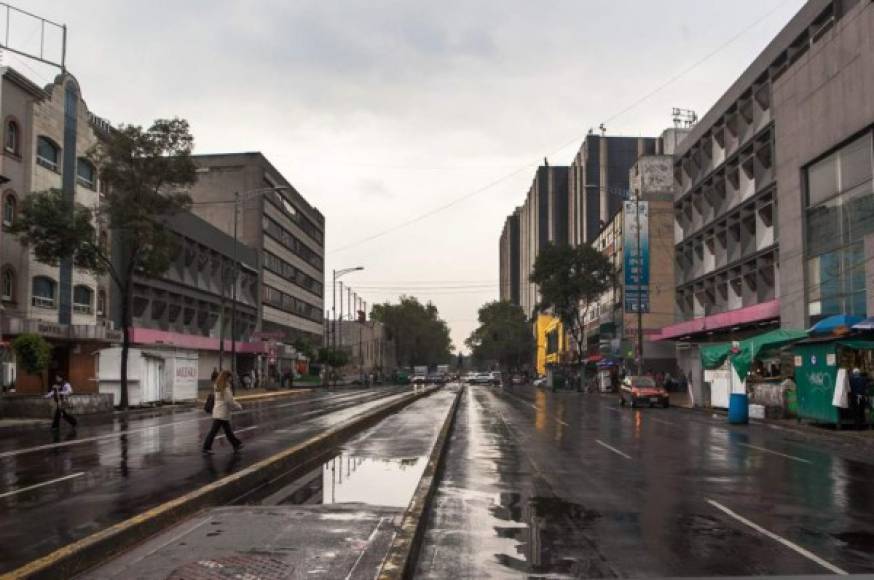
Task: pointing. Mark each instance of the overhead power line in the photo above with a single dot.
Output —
(612, 117)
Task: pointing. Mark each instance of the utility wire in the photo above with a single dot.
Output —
(512, 174)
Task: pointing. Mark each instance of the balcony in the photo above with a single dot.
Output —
(43, 302)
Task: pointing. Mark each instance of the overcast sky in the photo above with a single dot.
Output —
(380, 111)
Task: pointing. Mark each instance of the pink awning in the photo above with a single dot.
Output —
(192, 341)
(754, 313)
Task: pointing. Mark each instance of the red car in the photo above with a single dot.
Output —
(636, 391)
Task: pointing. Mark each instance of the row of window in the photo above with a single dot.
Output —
(44, 293)
(281, 300)
(282, 268)
(48, 154)
(301, 220)
(290, 241)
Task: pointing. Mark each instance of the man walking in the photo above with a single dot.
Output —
(60, 390)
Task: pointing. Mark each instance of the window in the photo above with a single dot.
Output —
(7, 284)
(12, 137)
(43, 291)
(48, 154)
(10, 207)
(83, 299)
(101, 302)
(840, 213)
(86, 175)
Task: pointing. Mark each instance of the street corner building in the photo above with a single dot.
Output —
(774, 205)
(47, 133)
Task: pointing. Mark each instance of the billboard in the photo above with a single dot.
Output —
(635, 263)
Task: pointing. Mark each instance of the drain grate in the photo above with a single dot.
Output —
(237, 566)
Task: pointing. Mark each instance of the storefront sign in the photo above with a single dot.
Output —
(798, 361)
(636, 260)
(830, 359)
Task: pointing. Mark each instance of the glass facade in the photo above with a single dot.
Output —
(840, 213)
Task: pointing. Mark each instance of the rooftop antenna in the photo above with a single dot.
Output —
(685, 118)
(603, 129)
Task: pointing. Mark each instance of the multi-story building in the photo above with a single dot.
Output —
(597, 177)
(47, 133)
(788, 145)
(510, 259)
(184, 314)
(612, 322)
(286, 231)
(542, 220)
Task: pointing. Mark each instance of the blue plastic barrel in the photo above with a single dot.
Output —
(738, 409)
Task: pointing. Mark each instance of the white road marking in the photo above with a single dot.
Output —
(364, 550)
(240, 430)
(611, 448)
(562, 422)
(116, 434)
(43, 484)
(792, 546)
(766, 450)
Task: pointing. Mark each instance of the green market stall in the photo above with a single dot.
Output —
(817, 362)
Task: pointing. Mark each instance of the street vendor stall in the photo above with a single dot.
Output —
(817, 366)
(731, 368)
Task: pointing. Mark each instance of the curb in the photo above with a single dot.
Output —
(400, 562)
(86, 553)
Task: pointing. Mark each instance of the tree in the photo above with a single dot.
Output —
(33, 353)
(306, 348)
(142, 171)
(420, 336)
(504, 335)
(570, 281)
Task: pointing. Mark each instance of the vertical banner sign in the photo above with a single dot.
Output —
(636, 264)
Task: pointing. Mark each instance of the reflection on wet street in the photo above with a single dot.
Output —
(541, 484)
(54, 493)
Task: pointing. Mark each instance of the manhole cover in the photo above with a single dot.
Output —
(236, 566)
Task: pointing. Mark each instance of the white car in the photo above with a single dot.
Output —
(540, 382)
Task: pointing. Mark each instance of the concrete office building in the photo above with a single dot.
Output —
(47, 133)
(542, 220)
(774, 151)
(287, 232)
(180, 317)
(600, 168)
(510, 259)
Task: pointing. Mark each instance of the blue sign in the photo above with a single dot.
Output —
(635, 262)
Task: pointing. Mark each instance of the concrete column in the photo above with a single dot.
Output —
(869, 274)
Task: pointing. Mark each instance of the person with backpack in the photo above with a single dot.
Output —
(219, 404)
(59, 392)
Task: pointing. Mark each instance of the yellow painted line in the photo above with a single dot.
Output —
(41, 564)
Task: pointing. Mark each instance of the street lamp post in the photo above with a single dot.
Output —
(237, 198)
(337, 274)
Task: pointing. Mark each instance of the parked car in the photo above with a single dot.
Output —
(540, 382)
(418, 379)
(636, 390)
(516, 380)
(435, 379)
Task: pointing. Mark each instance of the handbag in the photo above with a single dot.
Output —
(209, 404)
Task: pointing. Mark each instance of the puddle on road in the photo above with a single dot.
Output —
(550, 536)
(369, 480)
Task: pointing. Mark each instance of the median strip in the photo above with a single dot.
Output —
(83, 554)
(400, 562)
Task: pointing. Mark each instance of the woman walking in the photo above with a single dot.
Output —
(221, 413)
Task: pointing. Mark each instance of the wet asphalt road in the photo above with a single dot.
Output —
(338, 521)
(53, 493)
(539, 484)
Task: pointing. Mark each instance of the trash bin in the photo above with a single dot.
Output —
(738, 409)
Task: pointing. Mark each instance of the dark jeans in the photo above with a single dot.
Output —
(59, 412)
(858, 406)
(229, 433)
